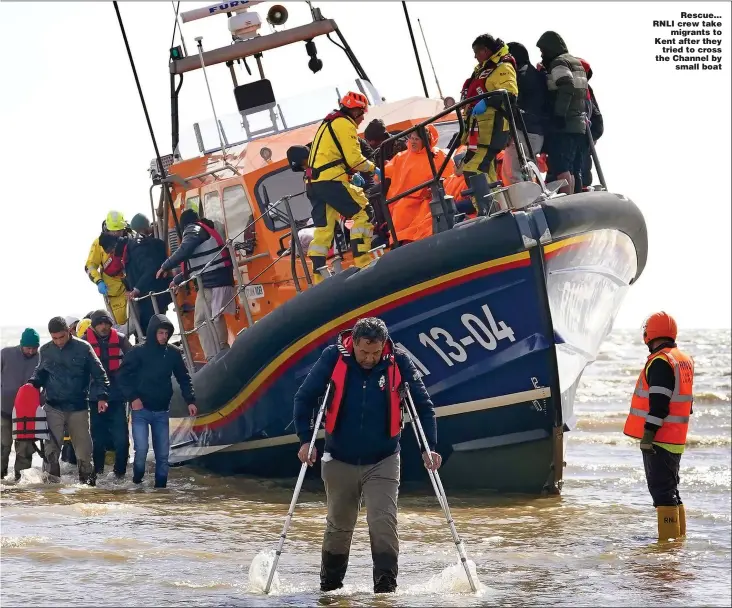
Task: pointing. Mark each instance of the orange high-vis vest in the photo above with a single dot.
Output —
(675, 426)
(29, 418)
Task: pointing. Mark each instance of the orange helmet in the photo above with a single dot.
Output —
(659, 325)
(353, 100)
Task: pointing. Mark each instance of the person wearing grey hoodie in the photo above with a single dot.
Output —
(567, 87)
(18, 363)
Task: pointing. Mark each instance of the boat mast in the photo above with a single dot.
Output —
(414, 46)
(161, 168)
(439, 90)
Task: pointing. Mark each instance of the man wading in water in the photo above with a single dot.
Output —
(363, 427)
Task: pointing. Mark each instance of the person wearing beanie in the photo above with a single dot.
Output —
(109, 426)
(200, 245)
(566, 139)
(145, 255)
(532, 101)
(487, 133)
(18, 363)
(140, 223)
(68, 370)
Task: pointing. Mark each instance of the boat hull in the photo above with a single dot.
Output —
(499, 324)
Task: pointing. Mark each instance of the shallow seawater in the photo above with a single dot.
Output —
(210, 540)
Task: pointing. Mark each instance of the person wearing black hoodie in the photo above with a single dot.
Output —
(533, 102)
(145, 380)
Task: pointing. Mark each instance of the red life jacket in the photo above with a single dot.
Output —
(111, 356)
(393, 384)
(207, 251)
(29, 419)
(475, 85)
(114, 265)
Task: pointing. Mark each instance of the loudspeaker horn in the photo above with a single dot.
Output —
(277, 15)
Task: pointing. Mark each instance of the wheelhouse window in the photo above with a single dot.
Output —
(212, 211)
(238, 214)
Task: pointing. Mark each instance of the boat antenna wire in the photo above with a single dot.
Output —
(177, 26)
(414, 46)
(161, 169)
(439, 90)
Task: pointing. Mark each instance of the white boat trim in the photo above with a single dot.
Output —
(445, 410)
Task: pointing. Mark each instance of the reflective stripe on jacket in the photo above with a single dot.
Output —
(497, 72)
(675, 427)
(208, 250)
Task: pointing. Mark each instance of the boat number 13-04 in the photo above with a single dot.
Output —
(453, 351)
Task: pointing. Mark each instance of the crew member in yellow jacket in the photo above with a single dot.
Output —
(106, 269)
(488, 132)
(334, 185)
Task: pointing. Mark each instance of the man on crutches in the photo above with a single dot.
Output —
(363, 427)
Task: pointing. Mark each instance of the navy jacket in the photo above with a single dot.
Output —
(145, 255)
(361, 436)
(147, 369)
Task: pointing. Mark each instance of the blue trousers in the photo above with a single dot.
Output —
(145, 421)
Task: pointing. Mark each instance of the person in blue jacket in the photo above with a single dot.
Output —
(361, 455)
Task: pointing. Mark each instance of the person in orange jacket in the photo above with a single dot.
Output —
(455, 184)
(411, 215)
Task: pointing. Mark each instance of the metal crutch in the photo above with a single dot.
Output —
(437, 483)
(298, 486)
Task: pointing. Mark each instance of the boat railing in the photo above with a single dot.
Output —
(294, 250)
(446, 219)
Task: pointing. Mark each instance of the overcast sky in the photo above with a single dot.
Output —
(75, 143)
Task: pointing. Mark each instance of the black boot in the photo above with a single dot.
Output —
(386, 569)
(87, 474)
(332, 571)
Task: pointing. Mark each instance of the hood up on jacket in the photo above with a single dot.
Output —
(519, 53)
(158, 322)
(551, 45)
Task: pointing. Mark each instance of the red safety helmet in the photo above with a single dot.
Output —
(659, 325)
(353, 100)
